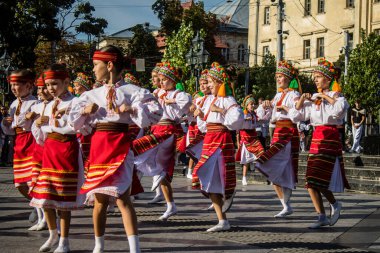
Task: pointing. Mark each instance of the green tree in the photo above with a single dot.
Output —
(169, 12)
(142, 44)
(363, 82)
(205, 22)
(178, 45)
(262, 78)
(30, 22)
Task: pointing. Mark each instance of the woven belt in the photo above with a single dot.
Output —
(285, 123)
(61, 137)
(112, 126)
(216, 127)
(19, 130)
(166, 122)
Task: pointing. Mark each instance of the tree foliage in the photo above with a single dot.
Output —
(142, 43)
(262, 78)
(74, 54)
(178, 45)
(30, 22)
(363, 82)
(205, 22)
(169, 12)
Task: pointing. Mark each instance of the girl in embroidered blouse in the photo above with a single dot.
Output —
(325, 169)
(215, 172)
(280, 162)
(110, 110)
(56, 188)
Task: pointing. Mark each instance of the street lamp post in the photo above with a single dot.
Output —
(5, 64)
(197, 57)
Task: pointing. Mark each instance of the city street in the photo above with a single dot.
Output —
(253, 227)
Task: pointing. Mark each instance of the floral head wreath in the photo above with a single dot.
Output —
(287, 69)
(204, 74)
(247, 100)
(172, 73)
(219, 73)
(327, 69)
(129, 78)
(157, 67)
(83, 80)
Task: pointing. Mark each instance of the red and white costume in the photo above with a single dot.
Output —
(325, 168)
(111, 162)
(24, 141)
(280, 162)
(61, 173)
(250, 147)
(155, 153)
(215, 171)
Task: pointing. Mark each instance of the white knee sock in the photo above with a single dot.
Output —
(134, 244)
(287, 195)
(99, 242)
(171, 207)
(53, 238)
(40, 214)
(63, 241)
(158, 191)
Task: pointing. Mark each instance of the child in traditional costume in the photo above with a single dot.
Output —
(325, 169)
(194, 138)
(250, 147)
(215, 172)
(157, 85)
(109, 110)
(17, 123)
(37, 111)
(61, 172)
(280, 162)
(156, 152)
(82, 83)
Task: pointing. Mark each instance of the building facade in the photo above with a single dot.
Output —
(232, 35)
(313, 28)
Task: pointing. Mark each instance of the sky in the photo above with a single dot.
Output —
(122, 14)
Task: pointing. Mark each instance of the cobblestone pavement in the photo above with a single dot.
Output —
(253, 227)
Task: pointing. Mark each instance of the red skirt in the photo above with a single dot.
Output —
(23, 157)
(37, 163)
(218, 137)
(85, 143)
(159, 133)
(58, 177)
(324, 149)
(248, 137)
(284, 133)
(191, 138)
(108, 151)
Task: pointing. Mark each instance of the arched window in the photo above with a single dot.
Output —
(226, 52)
(241, 53)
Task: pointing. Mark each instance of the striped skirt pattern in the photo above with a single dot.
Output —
(325, 148)
(23, 157)
(218, 137)
(57, 181)
(109, 149)
(284, 133)
(248, 137)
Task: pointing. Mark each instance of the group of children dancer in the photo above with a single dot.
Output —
(91, 149)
